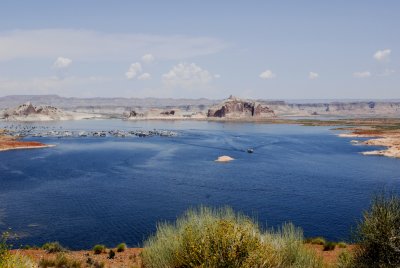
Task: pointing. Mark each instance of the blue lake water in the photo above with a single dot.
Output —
(90, 190)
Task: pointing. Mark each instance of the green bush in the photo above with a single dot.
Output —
(99, 249)
(17, 260)
(345, 260)
(61, 261)
(378, 234)
(53, 247)
(94, 264)
(342, 245)
(316, 241)
(29, 247)
(329, 246)
(4, 247)
(111, 254)
(221, 238)
(121, 247)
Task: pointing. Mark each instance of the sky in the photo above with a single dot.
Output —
(194, 49)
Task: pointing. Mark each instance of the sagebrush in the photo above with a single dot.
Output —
(206, 237)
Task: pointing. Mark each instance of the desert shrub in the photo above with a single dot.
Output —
(378, 234)
(316, 241)
(17, 261)
(30, 247)
(345, 260)
(60, 261)
(342, 245)
(99, 249)
(111, 254)
(4, 248)
(221, 238)
(329, 246)
(121, 247)
(289, 241)
(53, 247)
(94, 264)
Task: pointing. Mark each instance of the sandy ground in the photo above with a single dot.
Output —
(330, 257)
(127, 259)
(131, 257)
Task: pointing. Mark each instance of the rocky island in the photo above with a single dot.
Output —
(235, 108)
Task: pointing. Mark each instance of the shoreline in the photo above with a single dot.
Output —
(8, 143)
(26, 147)
(388, 139)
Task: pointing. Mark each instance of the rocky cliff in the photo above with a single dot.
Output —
(237, 108)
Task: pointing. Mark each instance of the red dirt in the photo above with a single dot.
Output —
(129, 258)
(9, 143)
(331, 256)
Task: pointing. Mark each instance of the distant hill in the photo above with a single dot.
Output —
(70, 103)
(122, 107)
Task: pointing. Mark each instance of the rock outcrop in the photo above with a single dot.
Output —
(29, 112)
(237, 108)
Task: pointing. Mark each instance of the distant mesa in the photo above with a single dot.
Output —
(156, 113)
(238, 108)
(52, 107)
(29, 112)
(224, 158)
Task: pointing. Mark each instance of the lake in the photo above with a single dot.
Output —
(91, 190)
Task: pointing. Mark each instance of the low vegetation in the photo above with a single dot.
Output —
(345, 260)
(316, 241)
(8, 260)
(94, 264)
(378, 234)
(221, 238)
(111, 254)
(329, 246)
(53, 247)
(121, 247)
(60, 261)
(98, 249)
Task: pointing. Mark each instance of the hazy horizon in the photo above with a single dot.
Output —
(299, 101)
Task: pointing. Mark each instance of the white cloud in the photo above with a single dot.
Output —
(217, 76)
(267, 74)
(148, 58)
(313, 75)
(144, 76)
(187, 75)
(382, 55)
(62, 63)
(94, 45)
(134, 70)
(364, 74)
